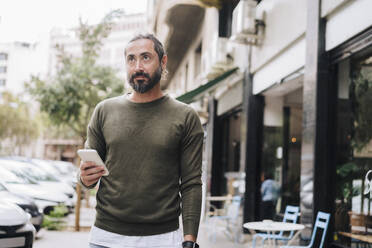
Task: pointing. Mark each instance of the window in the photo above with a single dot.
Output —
(3, 56)
(354, 140)
(2, 82)
(198, 60)
(2, 69)
(225, 19)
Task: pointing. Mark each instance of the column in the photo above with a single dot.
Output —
(251, 148)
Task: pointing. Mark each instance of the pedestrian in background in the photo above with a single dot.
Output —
(152, 147)
(269, 196)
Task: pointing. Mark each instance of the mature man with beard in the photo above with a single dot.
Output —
(152, 147)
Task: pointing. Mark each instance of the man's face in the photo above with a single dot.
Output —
(143, 67)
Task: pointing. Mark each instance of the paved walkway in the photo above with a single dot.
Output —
(71, 239)
(61, 239)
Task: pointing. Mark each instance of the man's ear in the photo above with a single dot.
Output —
(164, 61)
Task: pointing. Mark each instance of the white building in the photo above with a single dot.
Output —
(18, 61)
(285, 101)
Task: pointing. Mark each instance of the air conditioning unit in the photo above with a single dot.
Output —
(222, 57)
(246, 28)
(245, 17)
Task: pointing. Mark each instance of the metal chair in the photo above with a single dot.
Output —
(322, 221)
(290, 215)
(230, 219)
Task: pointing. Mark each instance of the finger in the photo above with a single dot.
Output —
(83, 165)
(92, 178)
(92, 170)
(86, 165)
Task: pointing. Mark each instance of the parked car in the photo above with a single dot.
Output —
(64, 171)
(37, 162)
(16, 229)
(18, 183)
(67, 171)
(26, 203)
(60, 170)
(48, 180)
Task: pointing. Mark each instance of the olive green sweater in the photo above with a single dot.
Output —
(153, 152)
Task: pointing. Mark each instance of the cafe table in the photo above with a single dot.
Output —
(271, 227)
(362, 237)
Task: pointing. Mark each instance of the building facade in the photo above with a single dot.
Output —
(18, 61)
(281, 87)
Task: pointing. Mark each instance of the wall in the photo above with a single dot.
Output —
(353, 16)
(283, 49)
(273, 111)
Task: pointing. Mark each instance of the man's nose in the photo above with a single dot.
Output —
(138, 65)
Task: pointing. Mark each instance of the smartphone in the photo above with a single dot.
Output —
(91, 155)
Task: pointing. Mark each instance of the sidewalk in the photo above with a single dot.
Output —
(87, 217)
(72, 239)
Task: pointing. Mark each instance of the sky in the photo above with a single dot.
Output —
(31, 20)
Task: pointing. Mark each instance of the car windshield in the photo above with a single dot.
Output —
(48, 170)
(14, 177)
(38, 174)
(64, 168)
(29, 170)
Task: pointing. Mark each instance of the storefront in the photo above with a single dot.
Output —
(301, 110)
(282, 137)
(352, 66)
(315, 137)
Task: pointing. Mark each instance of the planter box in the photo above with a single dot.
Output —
(360, 223)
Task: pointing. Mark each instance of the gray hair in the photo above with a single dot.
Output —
(159, 49)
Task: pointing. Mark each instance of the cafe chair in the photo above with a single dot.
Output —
(290, 215)
(322, 221)
(230, 221)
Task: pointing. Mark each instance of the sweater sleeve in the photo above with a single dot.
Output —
(190, 171)
(95, 139)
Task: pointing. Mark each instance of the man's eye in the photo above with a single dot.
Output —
(130, 59)
(146, 57)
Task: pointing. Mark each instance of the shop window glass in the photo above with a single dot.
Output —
(354, 143)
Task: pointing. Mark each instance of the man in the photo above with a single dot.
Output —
(152, 146)
(269, 195)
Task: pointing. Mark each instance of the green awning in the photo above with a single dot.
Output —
(191, 96)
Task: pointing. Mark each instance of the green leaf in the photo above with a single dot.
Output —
(69, 97)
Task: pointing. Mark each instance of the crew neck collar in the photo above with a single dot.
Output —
(145, 104)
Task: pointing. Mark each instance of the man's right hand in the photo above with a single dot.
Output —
(90, 173)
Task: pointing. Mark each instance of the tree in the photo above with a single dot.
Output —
(69, 97)
(17, 128)
(80, 83)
